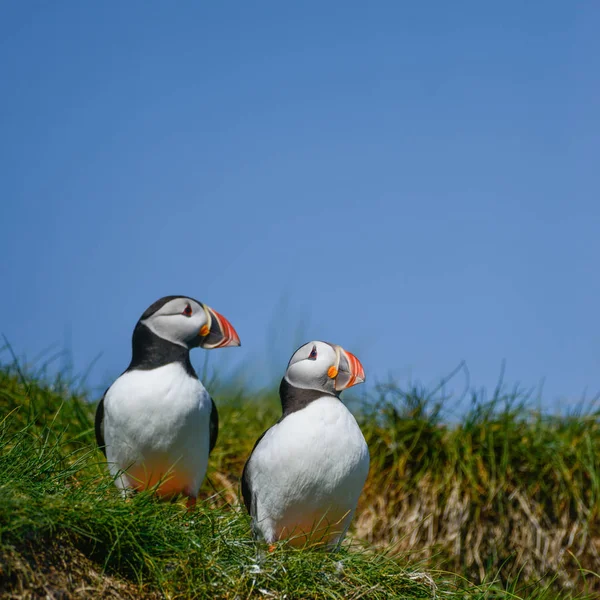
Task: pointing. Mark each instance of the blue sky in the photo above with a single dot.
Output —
(417, 183)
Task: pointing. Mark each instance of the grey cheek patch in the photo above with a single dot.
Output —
(343, 367)
(343, 364)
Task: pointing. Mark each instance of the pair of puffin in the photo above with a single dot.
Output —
(157, 424)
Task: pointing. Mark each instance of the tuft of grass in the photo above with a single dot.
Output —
(507, 489)
(438, 499)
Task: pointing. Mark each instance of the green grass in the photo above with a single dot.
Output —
(506, 498)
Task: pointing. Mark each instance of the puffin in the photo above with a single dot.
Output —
(302, 481)
(157, 424)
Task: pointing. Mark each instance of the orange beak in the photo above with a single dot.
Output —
(221, 332)
(351, 371)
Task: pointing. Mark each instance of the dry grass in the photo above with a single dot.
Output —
(507, 490)
(40, 571)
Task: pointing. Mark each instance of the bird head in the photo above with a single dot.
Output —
(187, 322)
(325, 367)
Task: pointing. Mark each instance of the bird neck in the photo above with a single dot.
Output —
(293, 398)
(150, 351)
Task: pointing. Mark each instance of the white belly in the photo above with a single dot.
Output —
(156, 428)
(307, 474)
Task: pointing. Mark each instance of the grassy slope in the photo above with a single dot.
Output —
(467, 499)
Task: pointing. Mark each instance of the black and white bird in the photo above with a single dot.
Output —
(305, 474)
(156, 422)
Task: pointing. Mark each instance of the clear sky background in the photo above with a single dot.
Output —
(418, 182)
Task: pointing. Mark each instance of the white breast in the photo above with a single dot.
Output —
(156, 427)
(307, 473)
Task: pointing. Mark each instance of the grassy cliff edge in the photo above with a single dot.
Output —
(506, 498)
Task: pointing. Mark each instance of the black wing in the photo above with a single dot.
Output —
(99, 424)
(214, 425)
(246, 483)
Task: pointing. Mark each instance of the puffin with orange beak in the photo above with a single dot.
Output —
(157, 424)
(305, 475)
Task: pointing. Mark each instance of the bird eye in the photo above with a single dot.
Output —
(187, 311)
(313, 354)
